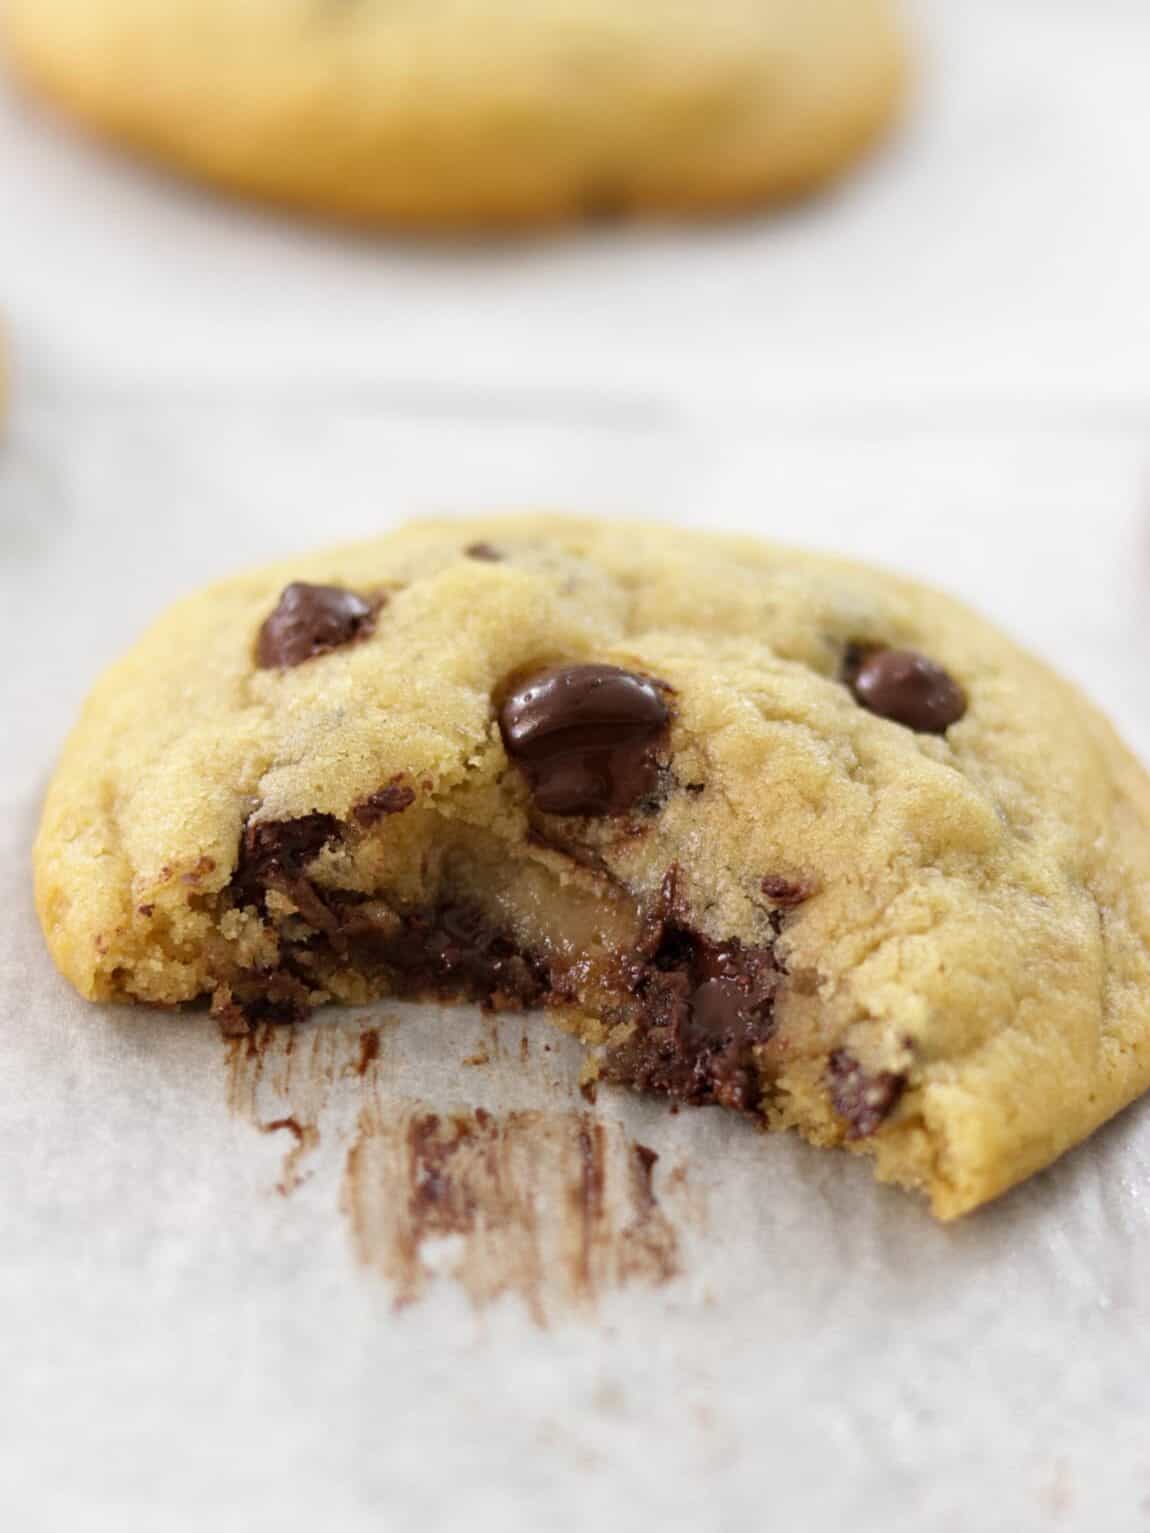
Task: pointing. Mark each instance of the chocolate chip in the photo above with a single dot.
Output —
(906, 687)
(312, 620)
(584, 737)
(786, 891)
(454, 950)
(392, 799)
(486, 552)
(864, 1099)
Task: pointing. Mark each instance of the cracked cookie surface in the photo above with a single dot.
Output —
(441, 113)
(768, 830)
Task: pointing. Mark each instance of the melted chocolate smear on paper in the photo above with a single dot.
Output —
(305, 1137)
(281, 1078)
(555, 1206)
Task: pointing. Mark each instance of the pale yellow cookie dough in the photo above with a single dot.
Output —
(440, 113)
(959, 920)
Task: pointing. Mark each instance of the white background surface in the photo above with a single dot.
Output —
(946, 367)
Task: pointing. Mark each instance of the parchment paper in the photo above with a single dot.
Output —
(223, 1301)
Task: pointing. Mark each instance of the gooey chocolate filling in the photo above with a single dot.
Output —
(701, 1010)
(692, 1011)
(451, 950)
(688, 1015)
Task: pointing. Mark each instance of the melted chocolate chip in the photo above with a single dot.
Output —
(698, 1009)
(863, 1098)
(453, 951)
(392, 799)
(584, 735)
(906, 687)
(486, 552)
(312, 620)
(273, 855)
(704, 1008)
(786, 891)
(284, 846)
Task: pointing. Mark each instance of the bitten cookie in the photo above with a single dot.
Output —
(476, 112)
(766, 829)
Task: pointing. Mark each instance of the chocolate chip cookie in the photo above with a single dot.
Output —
(440, 113)
(768, 830)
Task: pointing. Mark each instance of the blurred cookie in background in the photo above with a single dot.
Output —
(473, 113)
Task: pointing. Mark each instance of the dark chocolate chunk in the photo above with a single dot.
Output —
(863, 1098)
(392, 799)
(312, 620)
(906, 687)
(486, 552)
(285, 846)
(786, 891)
(585, 737)
(703, 1009)
(273, 855)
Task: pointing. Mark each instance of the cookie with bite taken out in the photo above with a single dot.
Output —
(770, 831)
